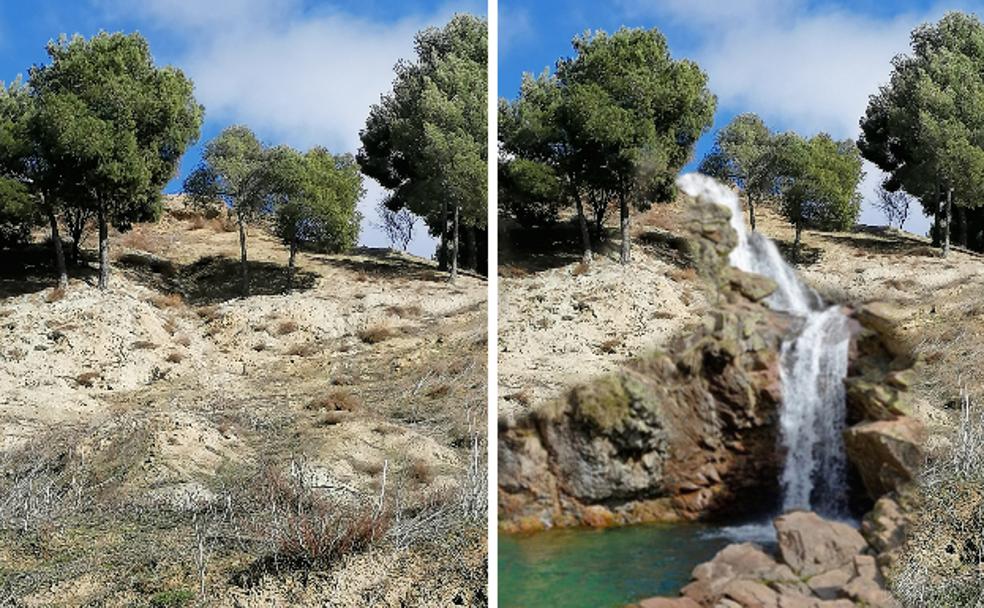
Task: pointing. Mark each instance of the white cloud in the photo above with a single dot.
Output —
(295, 76)
(799, 67)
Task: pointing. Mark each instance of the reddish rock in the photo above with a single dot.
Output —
(811, 545)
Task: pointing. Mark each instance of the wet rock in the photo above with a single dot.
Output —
(811, 545)
(886, 453)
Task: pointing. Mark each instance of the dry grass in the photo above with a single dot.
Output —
(55, 295)
(337, 400)
(171, 326)
(141, 241)
(376, 333)
(405, 311)
(286, 328)
(686, 274)
(421, 471)
(183, 340)
(170, 300)
(579, 269)
(610, 346)
(438, 391)
(143, 345)
(303, 349)
(522, 397)
(208, 313)
(175, 357)
(87, 379)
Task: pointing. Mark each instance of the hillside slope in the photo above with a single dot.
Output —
(168, 436)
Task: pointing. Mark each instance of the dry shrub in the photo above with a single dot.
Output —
(143, 345)
(333, 418)
(174, 357)
(512, 272)
(286, 327)
(197, 222)
(137, 239)
(338, 400)
(376, 333)
(87, 379)
(579, 269)
(312, 530)
(303, 349)
(55, 295)
(171, 300)
(421, 471)
(208, 313)
(260, 347)
(436, 392)
(403, 311)
(170, 326)
(683, 275)
(367, 467)
(522, 397)
(183, 340)
(610, 346)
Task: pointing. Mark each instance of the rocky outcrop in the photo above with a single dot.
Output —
(886, 453)
(819, 564)
(674, 435)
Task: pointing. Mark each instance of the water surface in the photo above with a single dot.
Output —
(574, 568)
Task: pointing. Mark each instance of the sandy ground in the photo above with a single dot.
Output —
(173, 391)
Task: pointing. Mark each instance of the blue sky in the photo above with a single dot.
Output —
(300, 72)
(802, 65)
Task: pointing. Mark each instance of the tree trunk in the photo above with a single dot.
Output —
(442, 254)
(796, 244)
(946, 222)
(938, 218)
(751, 211)
(59, 252)
(290, 265)
(623, 207)
(455, 247)
(582, 223)
(471, 249)
(103, 248)
(76, 229)
(243, 265)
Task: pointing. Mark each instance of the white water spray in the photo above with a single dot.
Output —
(813, 367)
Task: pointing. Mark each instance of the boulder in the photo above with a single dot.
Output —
(886, 320)
(811, 545)
(884, 527)
(871, 400)
(886, 453)
(754, 287)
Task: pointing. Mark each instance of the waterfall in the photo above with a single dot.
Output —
(813, 366)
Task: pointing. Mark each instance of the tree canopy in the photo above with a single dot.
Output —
(425, 141)
(742, 156)
(925, 128)
(109, 127)
(617, 121)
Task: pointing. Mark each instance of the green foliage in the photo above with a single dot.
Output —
(113, 125)
(315, 198)
(818, 180)
(232, 174)
(926, 126)
(741, 155)
(617, 122)
(425, 141)
(530, 191)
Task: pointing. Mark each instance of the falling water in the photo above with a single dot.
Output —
(813, 366)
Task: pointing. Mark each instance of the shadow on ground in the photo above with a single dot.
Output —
(528, 250)
(386, 264)
(211, 279)
(31, 268)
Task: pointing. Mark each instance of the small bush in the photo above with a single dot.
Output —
(333, 418)
(610, 346)
(172, 598)
(303, 349)
(143, 345)
(197, 223)
(260, 347)
(338, 400)
(171, 300)
(421, 471)
(175, 357)
(683, 275)
(87, 379)
(208, 313)
(579, 269)
(286, 328)
(55, 295)
(438, 391)
(183, 341)
(376, 333)
(410, 310)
